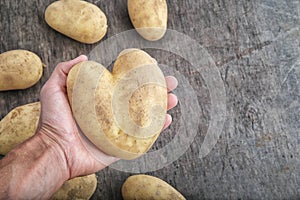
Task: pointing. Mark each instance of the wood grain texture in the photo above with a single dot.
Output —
(256, 48)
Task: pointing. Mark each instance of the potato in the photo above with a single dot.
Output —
(149, 17)
(18, 125)
(148, 187)
(19, 69)
(80, 20)
(121, 113)
(77, 188)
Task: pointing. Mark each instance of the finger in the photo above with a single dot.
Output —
(66, 66)
(172, 83)
(172, 101)
(168, 121)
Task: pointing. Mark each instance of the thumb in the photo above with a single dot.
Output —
(61, 71)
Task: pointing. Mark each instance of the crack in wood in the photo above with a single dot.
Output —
(243, 53)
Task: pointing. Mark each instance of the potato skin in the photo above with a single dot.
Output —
(77, 188)
(19, 69)
(79, 20)
(18, 125)
(145, 187)
(149, 17)
(94, 111)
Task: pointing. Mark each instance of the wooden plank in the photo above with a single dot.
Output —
(255, 46)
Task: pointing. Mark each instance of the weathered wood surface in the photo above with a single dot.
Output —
(256, 48)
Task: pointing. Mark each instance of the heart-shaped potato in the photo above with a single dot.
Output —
(122, 112)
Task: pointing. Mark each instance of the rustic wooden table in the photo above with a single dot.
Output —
(255, 48)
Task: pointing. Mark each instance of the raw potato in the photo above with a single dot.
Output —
(77, 188)
(149, 17)
(18, 125)
(77, 19)
(19, 69)
(114, 110)
(145, 187)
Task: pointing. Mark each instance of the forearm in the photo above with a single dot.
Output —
(33, 170)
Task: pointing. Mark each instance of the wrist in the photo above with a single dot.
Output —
(55, 153)
(33, 170)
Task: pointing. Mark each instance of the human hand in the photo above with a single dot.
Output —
(58, 125)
